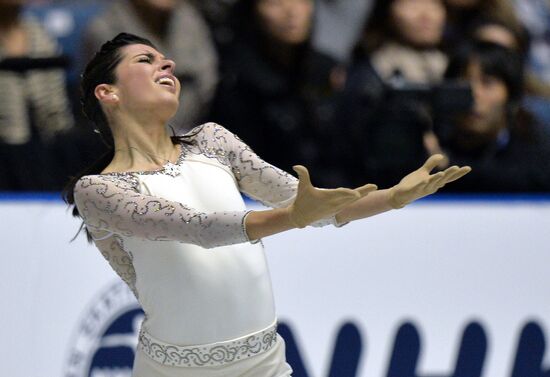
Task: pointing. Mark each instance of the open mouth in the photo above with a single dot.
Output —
(166, 81)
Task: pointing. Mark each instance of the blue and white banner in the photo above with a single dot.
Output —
(452, 288)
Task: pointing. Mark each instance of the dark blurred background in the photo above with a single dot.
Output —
(356, 90)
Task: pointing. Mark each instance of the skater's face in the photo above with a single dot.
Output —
(145, 82)
(418, 22)
(287, 21)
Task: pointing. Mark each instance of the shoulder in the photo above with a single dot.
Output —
(528, 129)
(209, 129)
(104, 184)
(214, 141)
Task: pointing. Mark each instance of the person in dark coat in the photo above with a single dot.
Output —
(277, 92)
(506, 147)
(384, 133)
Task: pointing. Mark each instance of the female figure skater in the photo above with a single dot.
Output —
(167, 214)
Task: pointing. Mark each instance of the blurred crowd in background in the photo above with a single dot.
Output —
(356, 90)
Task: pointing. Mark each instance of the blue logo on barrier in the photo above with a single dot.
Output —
(107, 337)
(105, 340)
(115, 351)
(407, 347)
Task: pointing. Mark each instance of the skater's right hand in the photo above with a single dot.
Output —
(312, 203)
(421, 182)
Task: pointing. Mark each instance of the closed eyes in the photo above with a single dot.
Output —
(148, 58)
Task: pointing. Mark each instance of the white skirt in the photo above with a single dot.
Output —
(271, 363)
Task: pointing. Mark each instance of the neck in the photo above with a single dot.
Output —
(470, 141)
(284, 54)
(141, 145)
(405, 44)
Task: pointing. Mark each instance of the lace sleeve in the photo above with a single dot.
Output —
(256, 178)
(113, 204)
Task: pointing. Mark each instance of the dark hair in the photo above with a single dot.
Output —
(508, 66)
(501, 9)
(461, 19)
(101, 70)
(494, 60)
(242, 15)
(376, 29)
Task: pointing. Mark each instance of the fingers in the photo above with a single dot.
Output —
(342, 194)
(448, 174)
(303, 175)
(460, 172)
(451, 174)
(433, 161)
(364, 190)
(435, 182)
(444, 163)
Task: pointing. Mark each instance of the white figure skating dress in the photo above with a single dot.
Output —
(176, 236)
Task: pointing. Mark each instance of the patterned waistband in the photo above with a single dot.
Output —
(206, 355)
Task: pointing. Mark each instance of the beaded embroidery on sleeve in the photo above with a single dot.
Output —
(112, 203)
(258, 179)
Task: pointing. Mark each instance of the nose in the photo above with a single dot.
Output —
(476, 90)
(477, 94)
(168, 65)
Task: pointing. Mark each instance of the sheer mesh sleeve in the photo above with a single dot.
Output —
(256, 178)
(111, 203)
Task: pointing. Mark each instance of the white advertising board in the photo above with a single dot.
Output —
(442, 288)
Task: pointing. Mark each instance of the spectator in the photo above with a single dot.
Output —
(276, 89)
(506, 148)
(399, 47)
(34, 108)
(177, 28)
(537, 93)
(491, 29)
(404, 36)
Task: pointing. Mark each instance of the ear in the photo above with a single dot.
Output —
(106, 93)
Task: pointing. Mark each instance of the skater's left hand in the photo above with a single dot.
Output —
(421, 183)
(312, 203)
